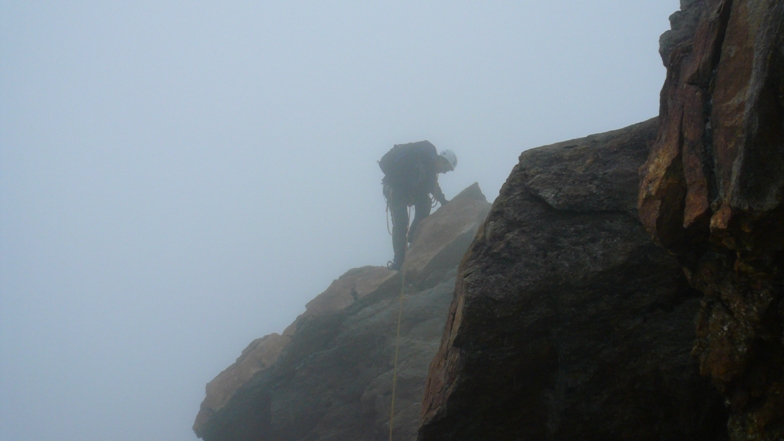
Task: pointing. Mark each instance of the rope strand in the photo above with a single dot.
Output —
(397, 347)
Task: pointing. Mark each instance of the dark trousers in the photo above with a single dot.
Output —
(399, 200)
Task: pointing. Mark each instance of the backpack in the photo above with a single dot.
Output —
(389, 162)
(403, 164)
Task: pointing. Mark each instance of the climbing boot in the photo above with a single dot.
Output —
(394, 265)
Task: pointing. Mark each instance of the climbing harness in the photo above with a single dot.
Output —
(397, 347)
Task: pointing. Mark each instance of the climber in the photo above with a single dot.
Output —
(410, 177)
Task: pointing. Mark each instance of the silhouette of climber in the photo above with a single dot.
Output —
(410, 177)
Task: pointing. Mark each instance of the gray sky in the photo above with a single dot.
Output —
(178, 178)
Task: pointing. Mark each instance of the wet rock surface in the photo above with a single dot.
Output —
(712, 190)
(333, 377)
(568, 322)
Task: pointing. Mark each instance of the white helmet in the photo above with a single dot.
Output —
(450, 157)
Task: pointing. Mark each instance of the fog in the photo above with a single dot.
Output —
(179, 178)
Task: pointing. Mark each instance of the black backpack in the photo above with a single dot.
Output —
(390, 161)
(400, 166)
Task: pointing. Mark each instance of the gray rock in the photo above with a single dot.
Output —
(568, 322)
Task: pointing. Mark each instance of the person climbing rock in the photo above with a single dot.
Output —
(410, 177)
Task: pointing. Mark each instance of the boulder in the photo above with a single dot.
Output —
(333, 378)
(567, 321)
(711, 193)
(441, 242)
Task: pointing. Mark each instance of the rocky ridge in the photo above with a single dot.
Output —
(564, 320)
(329, 375)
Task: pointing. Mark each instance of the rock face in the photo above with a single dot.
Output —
(712, 190)
(568, 322)
(329, 376)
(258, 356)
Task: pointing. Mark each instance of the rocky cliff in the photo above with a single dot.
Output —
(568, 322)
(329, 375)
(626, 285)
(712, 193)
(556, 330)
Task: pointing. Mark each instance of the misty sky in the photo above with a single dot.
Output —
(178, 178)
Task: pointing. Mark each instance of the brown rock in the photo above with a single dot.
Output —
(349, 288)
(258, 356)
(567, 322)
(333, 379)
(712, 191)
(263, 352)
(436, 249)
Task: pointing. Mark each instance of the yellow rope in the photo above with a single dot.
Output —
(397, 346)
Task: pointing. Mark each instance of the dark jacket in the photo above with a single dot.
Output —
(412, 168)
